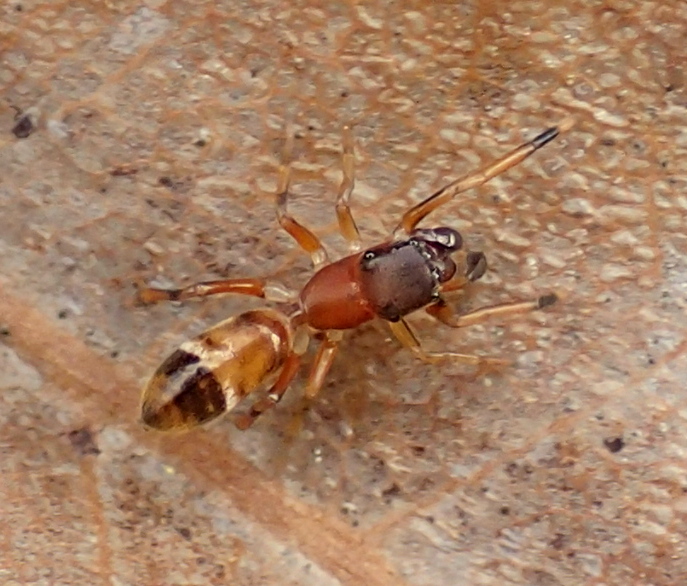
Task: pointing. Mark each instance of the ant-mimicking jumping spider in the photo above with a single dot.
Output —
(208, 375)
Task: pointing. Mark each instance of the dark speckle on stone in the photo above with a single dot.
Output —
(24, 127)
(614, 444)
(83, 441)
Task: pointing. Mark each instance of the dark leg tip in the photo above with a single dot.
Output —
(546, 300)
(545, 137)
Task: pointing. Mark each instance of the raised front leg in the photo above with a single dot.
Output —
(416, 213)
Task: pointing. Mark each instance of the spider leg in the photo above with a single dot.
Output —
(347, 225)
(274, 395)
(405, 335)
(443, 312)
(416, 213)
(304, 237)
(323, 362)
(253, 287)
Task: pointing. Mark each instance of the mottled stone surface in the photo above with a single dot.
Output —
(139, 142)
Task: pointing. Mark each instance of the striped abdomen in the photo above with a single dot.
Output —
(208, 375)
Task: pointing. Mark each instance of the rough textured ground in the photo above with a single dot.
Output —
(139, 143)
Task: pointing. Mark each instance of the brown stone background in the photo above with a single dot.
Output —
(154, 129)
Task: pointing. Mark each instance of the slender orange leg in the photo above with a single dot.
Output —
(322, 364)
(274, 395)
(416, 213)
(405, 335)
(441, 311)
(347, 224)
(304, 237)
(253, 287)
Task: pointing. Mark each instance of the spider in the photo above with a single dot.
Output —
(211, 373)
